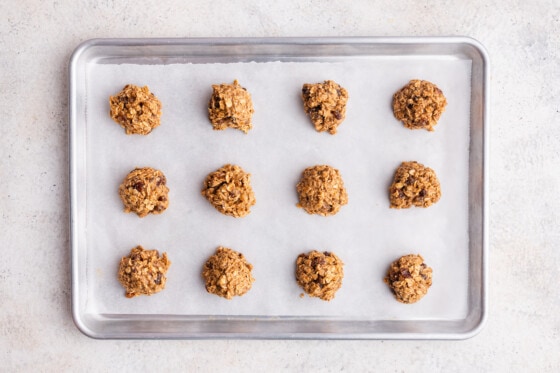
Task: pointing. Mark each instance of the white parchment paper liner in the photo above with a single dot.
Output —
(366, 234)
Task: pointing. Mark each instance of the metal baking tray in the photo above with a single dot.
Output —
(451, 235)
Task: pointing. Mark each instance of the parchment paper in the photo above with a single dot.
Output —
(365, 234)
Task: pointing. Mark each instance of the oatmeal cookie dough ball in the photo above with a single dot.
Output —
(325, 104)
(419, 104)
(143, 191)
(142, 272)
(230, 107)
(136, 109)
(229, 190)
(409, 278)
(414, 185)
(321, 190)
(227, 273)
(319, 274)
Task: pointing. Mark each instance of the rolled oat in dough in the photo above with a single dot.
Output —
(136, 109)
(409, 278)
(325, 104)
(144, 191)
(229, 190)
(142, 272)
(414, 185)
(227, 273)
(419, 104)
(319, 274)
(321, 190)
(230, 106)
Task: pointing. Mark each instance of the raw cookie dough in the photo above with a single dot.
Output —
(136, 109)
(321, 190)
(143, 272)
(419, 104)
(227, 273)
(229, 190)
(325, 103)
(319, 274)
(414, 184)
(144, 192)
(230, 107)
(409, 278)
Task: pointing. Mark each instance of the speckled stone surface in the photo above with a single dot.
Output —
(523, 40)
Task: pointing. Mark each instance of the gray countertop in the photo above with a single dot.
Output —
(522, 38)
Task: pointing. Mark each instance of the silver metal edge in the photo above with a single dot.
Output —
(74, 264)
(282, 40)
(77, 317)
(481, 322)
(477, 328)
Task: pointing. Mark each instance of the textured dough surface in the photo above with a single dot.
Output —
(229, 190)
(230, 106)
(325, 104)
(414, 185)
(409, 278)
(227, 273)
(136, 109)
(319, 274)
(144, 191)
(321, 190)
(142, 272)
(419, 104)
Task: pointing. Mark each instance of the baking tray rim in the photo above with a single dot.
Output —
(481, 317)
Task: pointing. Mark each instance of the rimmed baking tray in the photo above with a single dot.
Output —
(451, 235)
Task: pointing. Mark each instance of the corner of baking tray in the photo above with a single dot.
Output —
(80, 319)
(73, 63)
(81, 325)
(478, 46)
(478, 321)
(80, 49)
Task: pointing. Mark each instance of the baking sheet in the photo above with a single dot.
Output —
(365, 234)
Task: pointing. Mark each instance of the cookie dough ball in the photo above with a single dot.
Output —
(144, 192)
(142, 272)
(230, 107)
(325, 104)
(409, 278)
(321, 191)
(136, 109)
(319, 274)
(419, 104)
(229, 190)
(227, 273)
(414, 185)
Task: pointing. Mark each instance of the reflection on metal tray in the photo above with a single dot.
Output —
(366, 234)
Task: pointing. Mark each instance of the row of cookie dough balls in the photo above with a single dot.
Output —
(227, 274)
(321, 190)
(419, 105)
